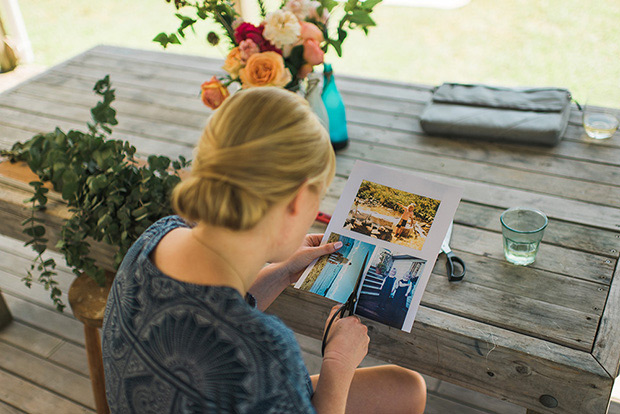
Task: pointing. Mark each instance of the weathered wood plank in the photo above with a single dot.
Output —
(32, 340)
(46, 374)
(7, 409)
(130, 102)
(438, 404)
(555, 207)
(13, 284)
(71, 356)
(16, 263)
(574, 236)
(607, 347)
(34, 399)
(503, 309)
(567, 292)
(472, 354)
(516, 156)
(540, 182)
(41, 123)
(454, 392)
(44, 318)
(161, 131)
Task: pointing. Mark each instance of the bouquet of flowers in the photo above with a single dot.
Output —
(281, 50)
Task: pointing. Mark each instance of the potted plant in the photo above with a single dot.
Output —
(113, 196)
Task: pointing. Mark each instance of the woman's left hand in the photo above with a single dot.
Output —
(310, 249)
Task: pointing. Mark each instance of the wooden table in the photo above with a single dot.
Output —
(546, 337)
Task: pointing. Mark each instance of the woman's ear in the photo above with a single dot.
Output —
(301, 197)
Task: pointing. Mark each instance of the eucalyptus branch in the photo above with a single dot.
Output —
(111, 198)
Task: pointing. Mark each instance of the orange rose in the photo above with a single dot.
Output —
(313, 54)
(233, 62)
(213, 93)
(311, 31)
(265, 69)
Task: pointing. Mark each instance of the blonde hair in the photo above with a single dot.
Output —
(257, 149)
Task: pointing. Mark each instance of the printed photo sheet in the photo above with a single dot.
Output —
(392, 224)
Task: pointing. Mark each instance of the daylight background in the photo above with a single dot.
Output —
(568, 43)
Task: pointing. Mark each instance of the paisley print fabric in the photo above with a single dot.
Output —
(176, 347)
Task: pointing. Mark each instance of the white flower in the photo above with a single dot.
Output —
(301, 8)
(281, 28)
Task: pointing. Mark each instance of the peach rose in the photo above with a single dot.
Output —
(311, 31)
(313, 54)
(213, 93)
(265, 69)
(233, 62)
(304, 70)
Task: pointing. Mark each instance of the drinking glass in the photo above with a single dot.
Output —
(599, 122)
(522, 231)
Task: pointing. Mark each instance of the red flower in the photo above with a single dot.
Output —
(254, 33)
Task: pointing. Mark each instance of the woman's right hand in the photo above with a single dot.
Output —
(347, 343)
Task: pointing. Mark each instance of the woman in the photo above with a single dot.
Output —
(178, 335)
(402, 289)
(386, 288)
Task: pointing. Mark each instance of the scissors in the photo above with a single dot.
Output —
(348, 306)
(452, 258)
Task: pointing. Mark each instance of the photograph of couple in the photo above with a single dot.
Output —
(392, 215)
(388, 287)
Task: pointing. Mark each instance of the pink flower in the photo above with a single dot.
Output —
(249, 31)
(247, 48)
(313, 54)
(311, 31)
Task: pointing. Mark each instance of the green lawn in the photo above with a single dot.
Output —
(568, 43)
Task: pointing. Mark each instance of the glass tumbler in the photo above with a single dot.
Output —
(522, 231)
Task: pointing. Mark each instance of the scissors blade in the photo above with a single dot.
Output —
(350, 304)
(445, 246)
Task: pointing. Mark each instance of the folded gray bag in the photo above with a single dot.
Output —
(533, 115)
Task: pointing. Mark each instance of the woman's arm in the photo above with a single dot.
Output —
(275, 277)
(347, 345)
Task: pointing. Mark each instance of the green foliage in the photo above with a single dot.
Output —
(425, 207)
(112, 196)
(220, 11)
(357, 16)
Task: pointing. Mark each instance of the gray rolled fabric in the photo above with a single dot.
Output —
(533, 115)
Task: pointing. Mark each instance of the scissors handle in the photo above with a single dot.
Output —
(450, 266)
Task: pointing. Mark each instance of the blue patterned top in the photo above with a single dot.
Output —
(176, 347)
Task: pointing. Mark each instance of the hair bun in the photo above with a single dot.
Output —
(257, 149)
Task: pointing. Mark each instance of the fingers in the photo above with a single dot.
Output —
(334, 309)
(314, 240)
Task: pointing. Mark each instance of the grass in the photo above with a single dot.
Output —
(567, 43)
